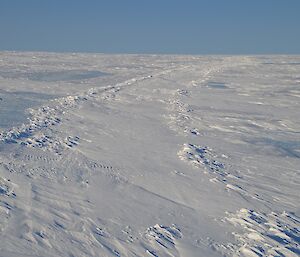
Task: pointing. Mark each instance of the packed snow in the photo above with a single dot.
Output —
(149, 155)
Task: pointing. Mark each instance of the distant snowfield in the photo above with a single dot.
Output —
(149, 155)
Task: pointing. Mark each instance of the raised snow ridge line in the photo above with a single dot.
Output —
(50, 115)
(214, 164)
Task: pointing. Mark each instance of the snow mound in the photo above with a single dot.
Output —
(201, 157)
(162, 240)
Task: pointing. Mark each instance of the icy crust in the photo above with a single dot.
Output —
(272, 234)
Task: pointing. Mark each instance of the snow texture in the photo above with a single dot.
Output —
(149, 155)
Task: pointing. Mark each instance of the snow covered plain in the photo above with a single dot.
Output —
(149, 155)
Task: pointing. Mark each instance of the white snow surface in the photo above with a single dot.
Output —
(149, 155)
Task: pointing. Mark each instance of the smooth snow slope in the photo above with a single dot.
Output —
(149, 155)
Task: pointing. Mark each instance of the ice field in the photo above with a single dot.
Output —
(149, 155)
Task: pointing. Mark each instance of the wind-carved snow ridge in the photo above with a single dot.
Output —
(214, 164)
(180, 117)
(44, 117)
(202, 157)
(273, 234)
(162, 239)
(30, 134)
(208, 74)
(184, 119)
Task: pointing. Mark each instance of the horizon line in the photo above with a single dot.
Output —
(148, 53)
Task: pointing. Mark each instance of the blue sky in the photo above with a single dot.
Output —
(151, 26)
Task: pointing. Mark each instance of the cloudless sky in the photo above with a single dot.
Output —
(151, 26)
